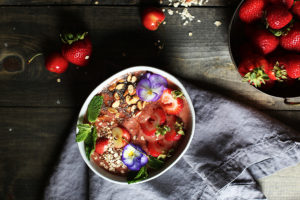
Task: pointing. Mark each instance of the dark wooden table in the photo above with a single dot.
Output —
(36, 110)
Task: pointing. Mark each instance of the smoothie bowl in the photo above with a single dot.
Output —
(135, 125)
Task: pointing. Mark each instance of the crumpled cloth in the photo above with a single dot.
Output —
(233, 146)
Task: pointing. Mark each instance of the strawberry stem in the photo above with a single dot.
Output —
(33, 57)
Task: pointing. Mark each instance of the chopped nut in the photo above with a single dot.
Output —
(137, 114)
(116, 96)
(131, 90)
(133, 108)
(112, 110)
(116, 104)
(134, 100)
(121, 81)
(112, 87)
(144, 104)
(129, 78)
(120, 86)
(139, 105)
(125, 93)
(117, 115)
(127, 99)
(133, 79)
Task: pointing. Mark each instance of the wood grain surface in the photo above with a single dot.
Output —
(37, 111)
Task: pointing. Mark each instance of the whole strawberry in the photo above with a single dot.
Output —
(296, 9)
(252, 70)
(278, 17)
(252, 10)
(56, 63)
(291, 40)
(293, 68)
(277, 68)
(286, 3)
(265, 41)
(77, 49)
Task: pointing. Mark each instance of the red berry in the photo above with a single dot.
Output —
(158, 117)
(170, 104)
(277, 68)
(265, 41)
(77, 50)
(172, 136)
(293, 68)
(252, 70)
(291, 41)
(154, 148)
(286, 3)
(278, 17)
(296, 9)
(56, 63)
(152, 18)
(101, 145)
(252, 10)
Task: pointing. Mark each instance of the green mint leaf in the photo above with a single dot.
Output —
(134, 177)
(90, 143)
(155, 163)
(162, 130)
(84, 130)
(94, 108)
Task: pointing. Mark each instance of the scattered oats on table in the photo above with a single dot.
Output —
(218, 23)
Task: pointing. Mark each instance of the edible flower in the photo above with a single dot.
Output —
(151, 87)
(134, 157)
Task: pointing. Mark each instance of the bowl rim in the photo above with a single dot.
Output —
(170, 77)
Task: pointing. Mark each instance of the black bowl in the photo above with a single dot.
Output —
(236, 38)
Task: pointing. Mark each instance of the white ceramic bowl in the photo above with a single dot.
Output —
(180, 150)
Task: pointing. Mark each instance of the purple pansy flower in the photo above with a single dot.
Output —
(151, 87)
(134, 157)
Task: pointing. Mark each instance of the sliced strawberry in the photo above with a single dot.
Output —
(159, 116)
(172, 136)
(154, 149)
(149, 128)
(171, 104)
(101, 145)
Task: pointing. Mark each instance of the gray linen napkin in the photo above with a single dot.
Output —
(233, 146)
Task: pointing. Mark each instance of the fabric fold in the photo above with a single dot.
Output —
(233, 146)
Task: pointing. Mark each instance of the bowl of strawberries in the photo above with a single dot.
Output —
(264, 42)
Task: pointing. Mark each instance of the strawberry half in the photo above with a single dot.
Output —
(101, 145)
(77, 49)
(170, 103)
